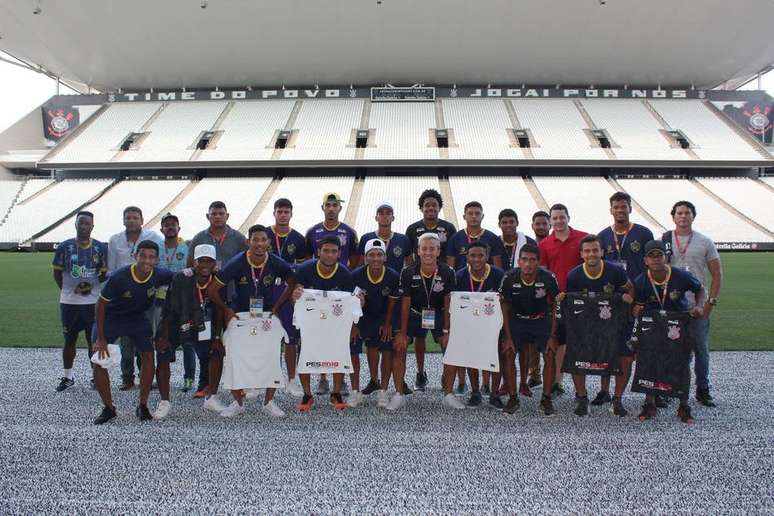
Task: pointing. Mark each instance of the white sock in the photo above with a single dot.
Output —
(68, 373)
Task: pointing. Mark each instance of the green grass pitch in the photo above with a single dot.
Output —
(743, 319)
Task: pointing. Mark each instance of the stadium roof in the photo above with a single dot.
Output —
(111, 44)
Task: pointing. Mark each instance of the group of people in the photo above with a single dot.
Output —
(153, 293)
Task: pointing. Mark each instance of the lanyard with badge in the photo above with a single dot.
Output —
(256, 302)
(683, 250)
(480, 282)
(428, 314)
(279, 245)
(661, 298)
(205, 326)
(620, 247)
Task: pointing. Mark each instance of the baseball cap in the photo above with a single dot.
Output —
(168, 215)
(332, 197)
(384, 204)
(655, 246)
(205, 251)
(375, 243)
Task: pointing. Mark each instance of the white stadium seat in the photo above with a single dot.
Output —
(33, 186)
(633, 128)
(31, 217)
(752, 199)
(248, 130)
(9, 189)
(149, 195)
(587, 198)
(324, 130)
(714, 140)
(480, 129)
(402, 132)
(402, 192)
(101, 139)
(659, 195)
(495, 194)
(172, 135)
(240, 195)
(306, 195)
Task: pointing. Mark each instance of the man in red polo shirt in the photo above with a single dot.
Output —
(559, 253)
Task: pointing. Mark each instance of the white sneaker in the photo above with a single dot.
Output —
(252, 394)
(397, 401)
(355, 398)
(272, 409)
(162, 409)
(212, 403)
(233, 410)
(382, 399)
(293, 388)
(453, 402)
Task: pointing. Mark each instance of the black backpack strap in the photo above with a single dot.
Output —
(667, 239)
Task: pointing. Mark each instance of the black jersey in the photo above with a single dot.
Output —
(595, 326)
(529, 300)
(663, 354)
(443, 229)
(427, 292)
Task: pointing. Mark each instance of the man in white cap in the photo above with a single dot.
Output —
(379, 286)
(189, 316)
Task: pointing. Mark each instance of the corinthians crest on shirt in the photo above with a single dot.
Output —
(673, 333)
(266, 325)
(605, 312)
(338, 309)
(489, 309)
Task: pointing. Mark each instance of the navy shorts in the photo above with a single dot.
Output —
(169, 354)
(377, 342)
(415, 328)
(530, 331)
(136, 329)
(75, 319)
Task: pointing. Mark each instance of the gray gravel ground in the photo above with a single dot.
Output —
(423, 459)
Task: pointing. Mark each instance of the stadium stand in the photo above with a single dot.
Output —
(324, 130)
(658, 196)
(99, 141)
(587, 198)
(9, 193)
(239, 194)
(768, 180)
(480, 129)
(633, 128)
(557, 126)
(248, 131)
(151, 196)
(27, 219)
(32, 186)
(306, 194)
(402, 192)
(173, 134)
(712, 139)
(745, 195)
(495, 194)
(402, 132)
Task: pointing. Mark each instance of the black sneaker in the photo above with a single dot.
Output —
(421, 383)
(106, 415)
(648, 412)
(703, 397)
(547, 405)
(601, 398)
(582, 406)
(142, 413)
(406, 389)
(496, 402)
(64, 383)
(474, 400)
(684, 413)
(557, 390)
(532, 383)
(512, 405)
(370, 388)
(662, 401)
(617, 408)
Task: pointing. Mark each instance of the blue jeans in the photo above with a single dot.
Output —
(699, 331)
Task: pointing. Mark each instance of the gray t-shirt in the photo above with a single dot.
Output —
(692, 255)
(232, 244)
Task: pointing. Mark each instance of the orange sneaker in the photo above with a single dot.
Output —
(306, 403)
(338, 402)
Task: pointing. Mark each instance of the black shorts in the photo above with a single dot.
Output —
(415, 329)
(75, 319)
(530, 331)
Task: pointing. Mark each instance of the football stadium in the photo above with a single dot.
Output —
(495, 206)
